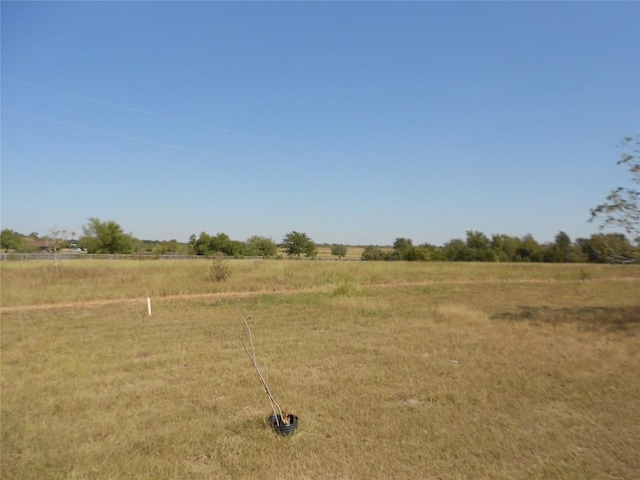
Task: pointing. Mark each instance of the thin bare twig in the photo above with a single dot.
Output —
(277, 411)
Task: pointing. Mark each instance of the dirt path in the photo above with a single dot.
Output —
(320, 289)
(142, 301)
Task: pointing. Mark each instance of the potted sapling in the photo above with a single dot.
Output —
(283, 423)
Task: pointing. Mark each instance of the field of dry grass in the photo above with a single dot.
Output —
(396, 370)
(353, 253)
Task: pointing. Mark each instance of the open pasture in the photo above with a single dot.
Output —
(396, 370)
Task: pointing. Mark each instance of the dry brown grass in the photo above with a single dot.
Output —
(353, 253)
(396, 371)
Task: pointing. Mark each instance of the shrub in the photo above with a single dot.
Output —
(219, 270)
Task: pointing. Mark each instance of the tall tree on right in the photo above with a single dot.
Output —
(621, 208)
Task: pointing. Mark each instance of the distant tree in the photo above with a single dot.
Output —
(479, 247)
(402, 243)
(431, 252)
(403, 249)
(10, 240)
(621, 208)
(298, 244)
(221, 244)
(339, 251)
(608, 248)
(478, 240)
(200, 245)
(57, 238)
(561, 251)
(372, 253)
(505, 248)
(529, 250)
(457, 250)
(257, 246)
(196, 243)
(105, 237)
(169, 247)
(416, 254)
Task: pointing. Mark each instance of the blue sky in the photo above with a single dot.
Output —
(352, 122)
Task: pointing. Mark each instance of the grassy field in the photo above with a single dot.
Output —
(396, 370)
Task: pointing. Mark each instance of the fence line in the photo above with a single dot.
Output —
(138, 256)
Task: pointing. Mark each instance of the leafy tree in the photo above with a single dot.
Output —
(372, 253)
(414, 254)
(565, 246)
(403, 249)
(199, 245)
(431, 252)
(401, 246)
(339, 251)
(561, 251)
(478, 240)
(105, 237)
(221, 244)
(456, 250)
(505, 248)
(168, 247)
(10, 240)
(609, 248)
(479, 247)
(621, 208)
(297, 243)
(529, 250)
(257, 246)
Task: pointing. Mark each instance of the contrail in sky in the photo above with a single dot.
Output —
(127, 137)
(131, 109)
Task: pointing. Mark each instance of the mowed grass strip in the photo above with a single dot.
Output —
(469, 376)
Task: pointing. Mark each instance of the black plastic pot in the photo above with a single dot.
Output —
(279, 426)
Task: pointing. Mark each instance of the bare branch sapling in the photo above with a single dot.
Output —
(251, 352)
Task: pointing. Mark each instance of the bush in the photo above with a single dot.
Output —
(372, 253)
(339, 251)
(219, 270)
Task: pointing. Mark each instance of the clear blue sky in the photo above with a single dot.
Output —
(353, 122)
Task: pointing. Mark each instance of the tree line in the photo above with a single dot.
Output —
(109, 237)
(620, 210)
(477, 247)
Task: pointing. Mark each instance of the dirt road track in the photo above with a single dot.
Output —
(324, 288)
(142, 301)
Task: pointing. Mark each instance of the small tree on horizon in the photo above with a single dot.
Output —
(258, 246)
(373, 253)
(105, 237)
(10, 240)
(561, 250)
(339, 251)
(298, 243)
(57, 237)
